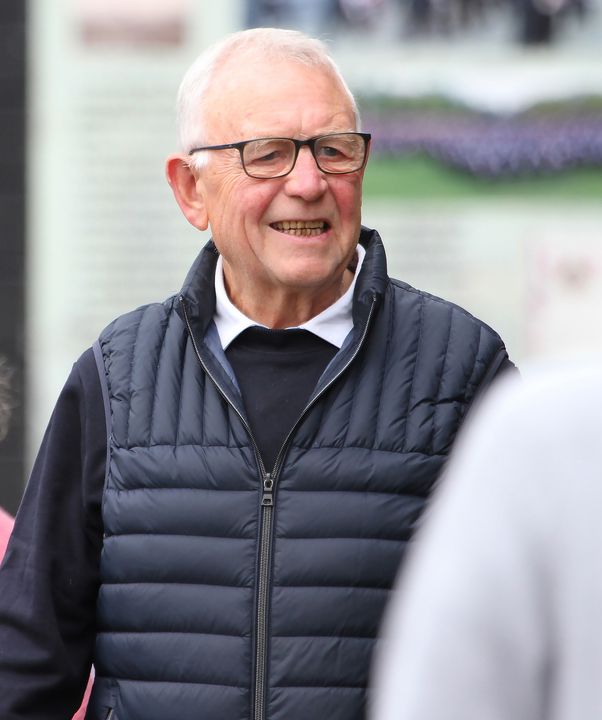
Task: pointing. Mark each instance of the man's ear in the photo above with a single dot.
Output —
(184, 185)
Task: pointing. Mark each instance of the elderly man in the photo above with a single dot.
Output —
(230, 477)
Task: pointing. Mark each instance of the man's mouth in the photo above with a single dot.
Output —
(301, 228)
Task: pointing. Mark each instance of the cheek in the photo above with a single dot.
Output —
(348, 196)
(241, 212)
(226, 193)
(255, 202)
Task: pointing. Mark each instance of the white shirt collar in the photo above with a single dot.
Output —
(333, 324)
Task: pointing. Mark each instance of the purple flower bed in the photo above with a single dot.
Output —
(534, 142)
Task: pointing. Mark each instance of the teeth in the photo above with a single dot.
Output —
(300, 227)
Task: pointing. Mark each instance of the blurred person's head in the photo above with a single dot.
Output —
(284, 216)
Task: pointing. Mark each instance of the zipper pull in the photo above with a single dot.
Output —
(267, 499)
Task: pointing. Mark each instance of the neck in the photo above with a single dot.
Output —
(287, 308)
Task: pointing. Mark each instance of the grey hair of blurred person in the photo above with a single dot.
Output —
(257, 44)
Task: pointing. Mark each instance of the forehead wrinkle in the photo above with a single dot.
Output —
(260, 119)
(253, 129)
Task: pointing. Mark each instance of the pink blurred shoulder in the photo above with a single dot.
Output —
(6, 527)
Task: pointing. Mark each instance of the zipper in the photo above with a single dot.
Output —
(267, 504)
(265, 539)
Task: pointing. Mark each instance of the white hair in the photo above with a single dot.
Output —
(272, 44)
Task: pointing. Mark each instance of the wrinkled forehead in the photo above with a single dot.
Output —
(251, 98)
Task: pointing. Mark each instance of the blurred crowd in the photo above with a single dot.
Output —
(543, 139)
(535, 21)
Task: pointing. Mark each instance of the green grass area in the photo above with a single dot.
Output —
(420, 177)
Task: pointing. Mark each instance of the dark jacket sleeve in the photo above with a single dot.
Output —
(50, 574)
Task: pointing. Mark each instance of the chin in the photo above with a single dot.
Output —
(316, 281)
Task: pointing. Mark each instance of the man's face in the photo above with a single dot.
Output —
(263, 260)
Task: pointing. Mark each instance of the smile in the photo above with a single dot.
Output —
(301, 228)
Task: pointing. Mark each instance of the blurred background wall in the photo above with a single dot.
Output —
(12, 251)
(485, 177)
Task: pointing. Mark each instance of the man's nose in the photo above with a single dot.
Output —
(306, 180)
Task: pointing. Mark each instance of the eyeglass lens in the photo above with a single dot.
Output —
(271, 157)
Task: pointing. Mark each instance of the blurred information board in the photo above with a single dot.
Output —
(533, 271)
(105, 234)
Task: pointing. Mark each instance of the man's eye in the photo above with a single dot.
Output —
(268, 157)
(329, 151)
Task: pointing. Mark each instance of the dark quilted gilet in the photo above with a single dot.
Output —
(182, 504)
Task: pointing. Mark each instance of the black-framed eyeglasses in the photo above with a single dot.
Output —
(264, 158)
